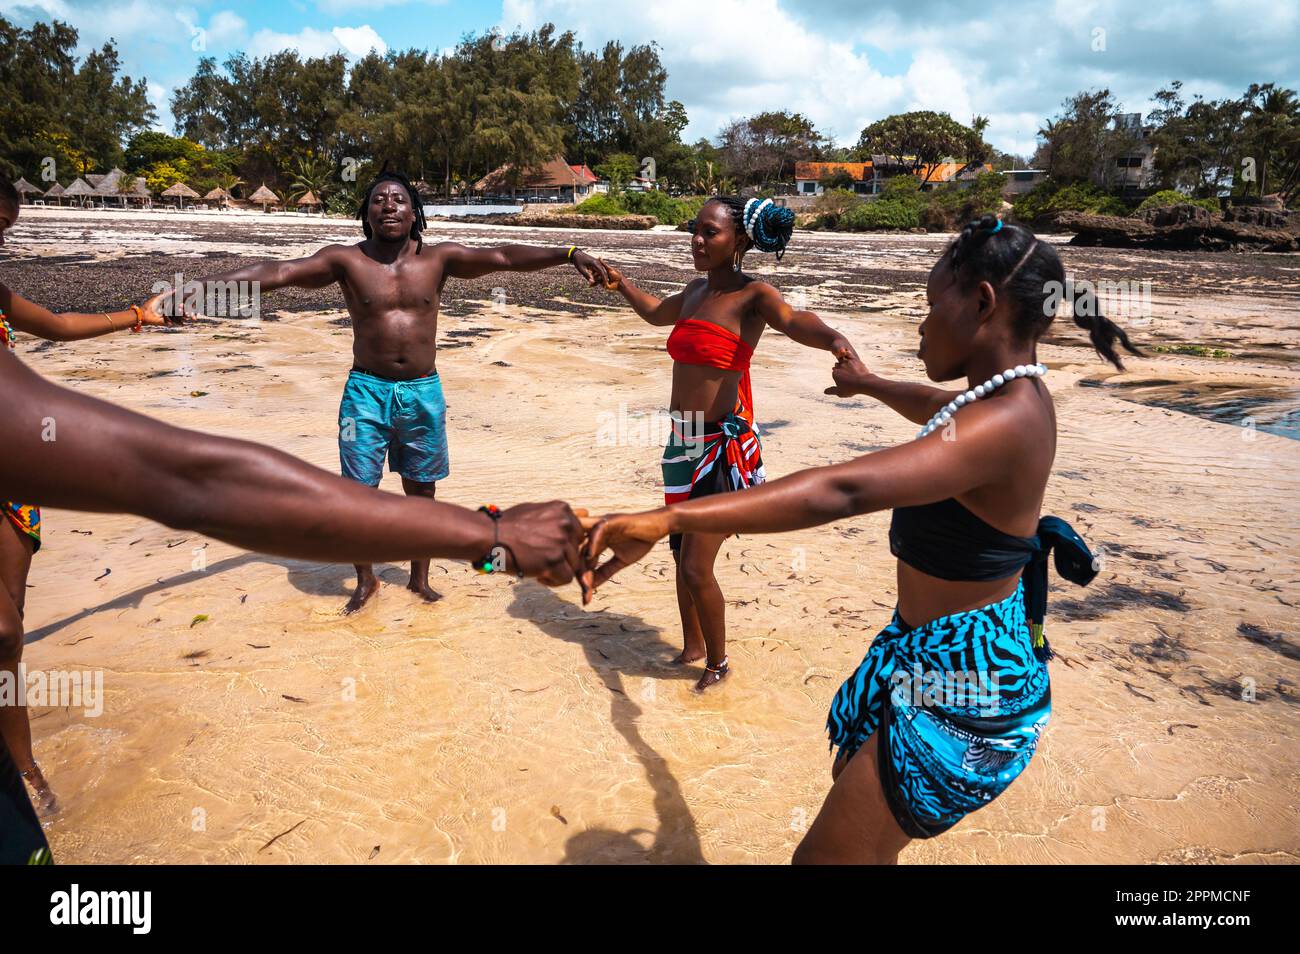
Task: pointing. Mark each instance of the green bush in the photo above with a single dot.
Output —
(883, 213)
(665, 208)
(659, 204)
(601, 204)
(1048, 197)
(837, 201)
(688, 207)
(1167, 197)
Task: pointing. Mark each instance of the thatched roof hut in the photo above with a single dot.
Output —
(118, 185)
(79, 191)
(219, 196)
(264, 197)
(140, 190)
(55, 193)
(105, 186)
(309, 201)
(180, 192)
(23, 187)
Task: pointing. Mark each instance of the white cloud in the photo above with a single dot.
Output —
(729, 58)
(227, 27)
(845, 63)
(310, 42)
(360, 40)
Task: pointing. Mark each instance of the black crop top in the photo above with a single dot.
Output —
(947, 541)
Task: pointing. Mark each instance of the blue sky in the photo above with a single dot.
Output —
(844, 63)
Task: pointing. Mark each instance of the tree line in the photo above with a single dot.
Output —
(323, 124)
(1247, 145)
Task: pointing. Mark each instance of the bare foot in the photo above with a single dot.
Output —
(365, 592)
(422, 590)
(687, 656)
(43, 799)
(713, 676)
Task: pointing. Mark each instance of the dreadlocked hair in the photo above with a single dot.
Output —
(385, 175)
(767, 225)
(1030, 272)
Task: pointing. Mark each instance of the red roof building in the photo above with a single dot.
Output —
(555, 180)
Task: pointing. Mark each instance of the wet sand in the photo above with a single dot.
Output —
(508, 724)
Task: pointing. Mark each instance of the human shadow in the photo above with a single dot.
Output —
(677, 840)
(312, 579)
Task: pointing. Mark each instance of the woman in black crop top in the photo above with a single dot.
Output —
(948, 704)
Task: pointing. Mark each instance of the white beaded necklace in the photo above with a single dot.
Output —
(981, 390)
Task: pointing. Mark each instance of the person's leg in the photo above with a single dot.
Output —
(22, 842)
(699, 552)
(363, 445)
(855, 825)
(419, 583)
(15, 560)
(419, 453)
(693, 648)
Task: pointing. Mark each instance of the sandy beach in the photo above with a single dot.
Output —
(245, 721)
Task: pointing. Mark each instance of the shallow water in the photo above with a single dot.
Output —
(1270, 410)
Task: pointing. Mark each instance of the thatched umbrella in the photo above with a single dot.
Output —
(23, 187)
(264, 195)
(180, 192)
(217, 195)
(55, 193)
(308, 200)
(79, 191)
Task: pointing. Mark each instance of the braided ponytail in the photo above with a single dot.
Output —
(1030, 272)
(1102, 332)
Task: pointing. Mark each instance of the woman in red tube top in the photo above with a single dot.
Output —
(714, 447)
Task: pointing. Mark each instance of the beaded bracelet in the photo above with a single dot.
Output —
(139, 320)
(488, 564)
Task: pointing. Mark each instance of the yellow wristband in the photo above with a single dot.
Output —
(572, 249)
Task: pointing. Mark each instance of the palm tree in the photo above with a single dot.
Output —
(1048, 134)
(310, 173)
(230, 182)
(1274, 115)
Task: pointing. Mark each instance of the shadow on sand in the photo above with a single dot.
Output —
(633, 650)
(311, 579)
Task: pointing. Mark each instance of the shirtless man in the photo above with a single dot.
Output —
(393, 404)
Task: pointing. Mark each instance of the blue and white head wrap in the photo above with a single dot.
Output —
(767, 225)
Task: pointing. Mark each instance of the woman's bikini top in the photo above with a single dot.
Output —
(947, 541)
(712, 346)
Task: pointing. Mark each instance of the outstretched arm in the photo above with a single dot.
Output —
(36, 320)
(801, 326)
(918, 472)
(314, 271)
(64, 449)
(656, 311)
(916, 402)
(464, 262)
